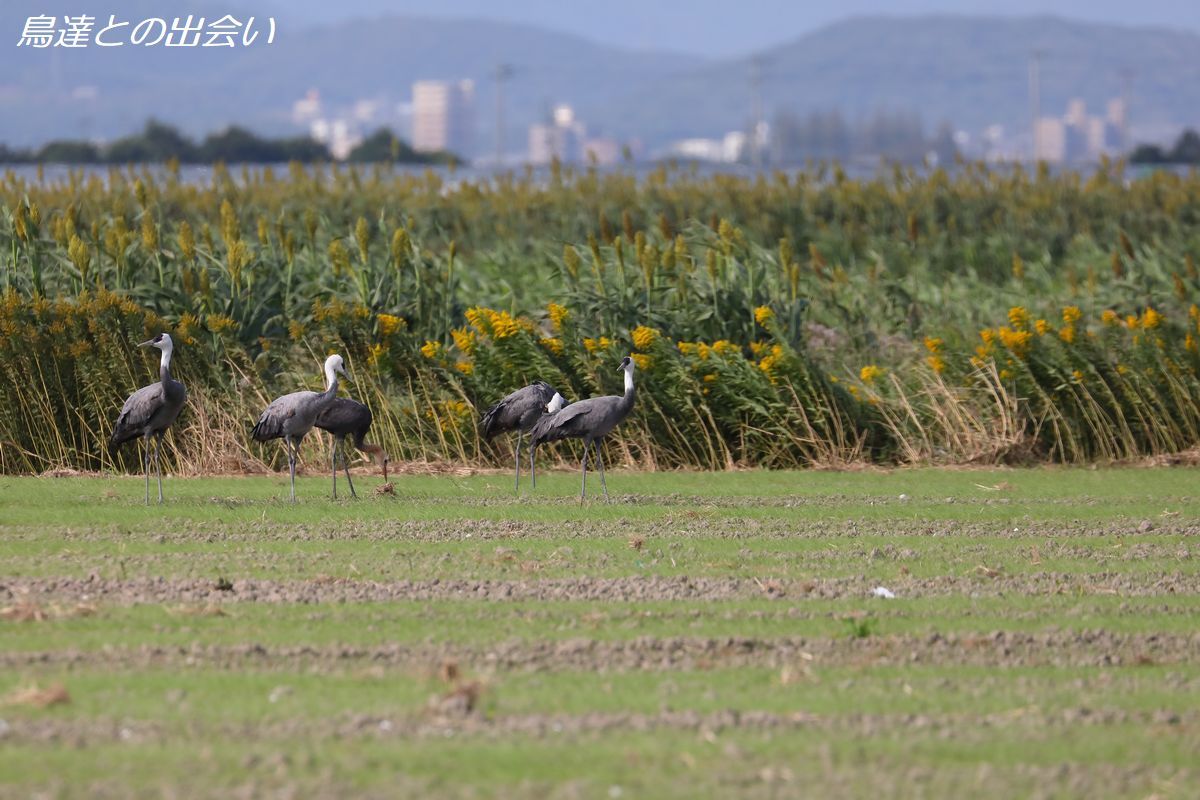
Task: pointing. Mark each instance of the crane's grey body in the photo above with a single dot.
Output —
(590, 420)
(150, 411)
(345, 417)
(292, 416)
(519, 412)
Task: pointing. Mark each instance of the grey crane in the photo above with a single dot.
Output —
(518, 412)
(292, 416)
(590, 420)
(345, 417)
(150, 411)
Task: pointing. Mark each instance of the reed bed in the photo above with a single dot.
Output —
(969, 316)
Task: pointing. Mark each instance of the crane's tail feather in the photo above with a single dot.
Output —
(488, 421)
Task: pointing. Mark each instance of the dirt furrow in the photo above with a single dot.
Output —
(1000, 649)
(979, 583)
(435, 723)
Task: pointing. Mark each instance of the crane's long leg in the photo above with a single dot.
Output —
(517, 487)
(346, 467)
(146, 465)
(583, 489)
(291, 464)
(596, 447)
(158, 464)
(333, 453)
(532, 465)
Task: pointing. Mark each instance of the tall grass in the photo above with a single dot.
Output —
(784, 320)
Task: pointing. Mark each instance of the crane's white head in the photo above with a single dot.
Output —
(556, 403)
(162, 342)
(334, 366)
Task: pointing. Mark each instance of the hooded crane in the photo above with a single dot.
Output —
(150, 411)
(518, 412)
(345, 417)
(590, 420)
(292, 416)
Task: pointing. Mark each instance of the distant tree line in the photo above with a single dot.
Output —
(159, 142)
(899, 136)
(1186, 150)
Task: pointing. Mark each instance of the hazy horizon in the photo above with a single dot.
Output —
(698, 28)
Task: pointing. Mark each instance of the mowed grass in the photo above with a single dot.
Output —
(1042, 643)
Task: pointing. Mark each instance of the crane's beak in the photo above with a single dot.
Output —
(146, 343)
(342, 372)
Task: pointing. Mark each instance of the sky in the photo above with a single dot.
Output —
(722, 28)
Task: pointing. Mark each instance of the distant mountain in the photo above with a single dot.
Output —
(968, 70)
(971, 71)
(376, 59)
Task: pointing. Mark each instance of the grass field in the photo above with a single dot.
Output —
(702, 635)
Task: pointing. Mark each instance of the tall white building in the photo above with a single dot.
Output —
(444, 116)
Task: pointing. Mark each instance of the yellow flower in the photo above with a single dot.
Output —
(558, 315)
(1151, 318)
(464, 340)
(296, 330)
(1067, 333)
(725, 347)
(594, 345)
(1015, 341)
(478, 318)
(1005, 374)
(757, 348)
(375, 353)
(431, 349)
(1110, 317)
(710, 378)
(642, 360)
(502, 324)
(553, 344)
(703, 350)
(934, 344)
(389, 324)
(1077, 375)
(644, 337)
(218, 323)
(763, 315)
(869, 373)
(1018, 317)
(936, 363)
(687, 348)
(987, 335)
(1071, 315)
(1042, 327)
(1122, 369)
(465, 367)
(1189, 343)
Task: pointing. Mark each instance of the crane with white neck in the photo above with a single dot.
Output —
(292, 416)
(590, 420)
(150, 411)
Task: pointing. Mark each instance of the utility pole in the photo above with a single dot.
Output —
(1126, 99)
(757, 65)
(1035, 102)
(503, 73)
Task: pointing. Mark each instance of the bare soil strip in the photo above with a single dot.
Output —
(981, 582)
(673, 527)
(999, 649)
(436, 724)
